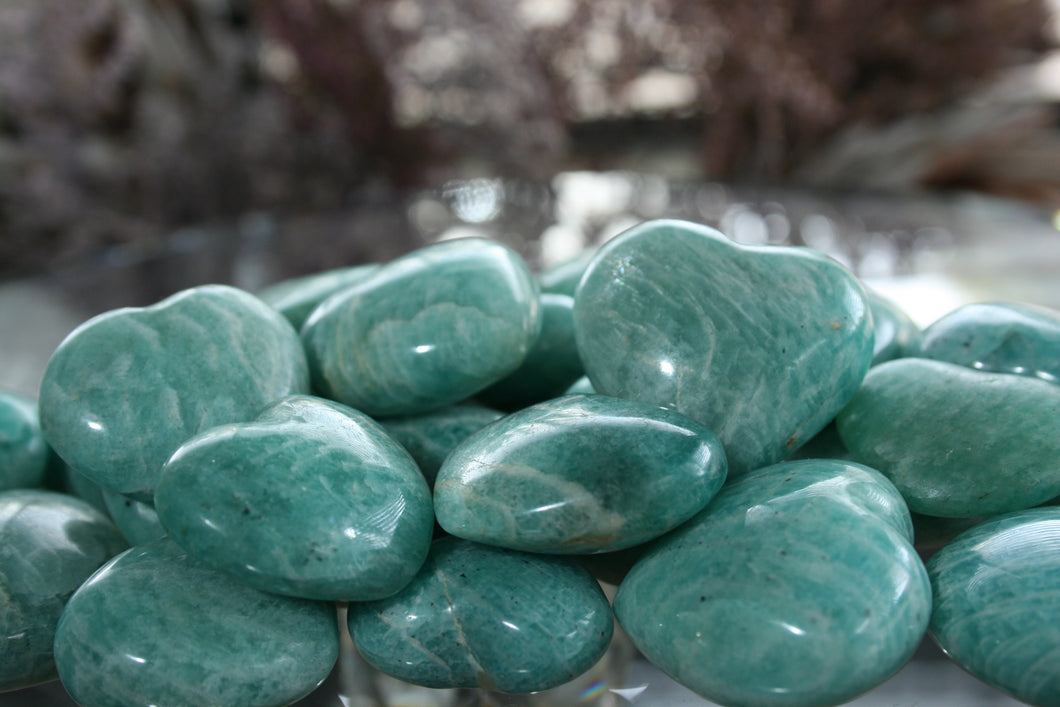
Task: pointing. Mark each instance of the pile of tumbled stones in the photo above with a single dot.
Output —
(742, 439)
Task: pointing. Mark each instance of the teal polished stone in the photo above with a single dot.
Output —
(23, 451)
(426, 331)
(77, 484)
(797, 586)
(763, 345)
(152, 627)
(551, 366)
(312, 499)
(826, 444)
(997, 603)
(563, 278)
(297, 298)
(582, 386)
(1003, 337)
(957, 442)
(49, 544)
(126, 388)
(431, 436)
(897, 335)
(137, 521)
(478, 616)
(579, 474)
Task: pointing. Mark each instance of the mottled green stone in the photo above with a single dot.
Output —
(551, 366)
(763, 345)
(1003, 337)
(126, 388)
(563, 278)
(77, 484)
(582, 386)
(897, 335)
(826, 444)
(426, 331)
(997, 603)
(152, 627)
(23, 451)
(957, 442)
(49, 544)
(313, 499)
(430, 437)
(137, 521)
(297, 298)
(579, 474)
(796, 586)
(478, 616)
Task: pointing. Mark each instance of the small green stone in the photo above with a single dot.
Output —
(796, 586)
(579, 474)
(49, 544)
(426, 331)
(997, 603)
(23, 451)
(312, 499)
(430, 437)
(152, 627)
(478, 616)
(137, 521)
(957, 442)
(897, 335)
(582, 386)
(764, 345)
(296, 299)
(126, 388)
(563, 279)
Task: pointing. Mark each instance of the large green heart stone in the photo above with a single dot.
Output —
(49, 544)
(796, 586)
(312, 499)
(997, 603)
(955, 441)
(152, 627)
(427, 330)
(479, 616)
(763, 345)
(579, 474)
(23, 451)
(126, 388)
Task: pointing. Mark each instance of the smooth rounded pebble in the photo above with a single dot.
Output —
(297, 298)
(137, 521)
(897, 335)
(23, 451)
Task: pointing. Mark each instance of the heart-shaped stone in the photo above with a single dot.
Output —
(764, 345)
(126, 388)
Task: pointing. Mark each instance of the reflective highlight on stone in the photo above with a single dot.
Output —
(312, 499)
(296, 299)
(997, 603)
(23, 451)
(430, 437)
(49, 544)
(579, 474)
(796, 586)
(152, 627)
(426, 331)
(763, 345)
(957, 442)
(896, 334)
(478, 616)
(125, 388)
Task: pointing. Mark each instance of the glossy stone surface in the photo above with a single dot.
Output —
(152, 627)
(126, 388)
(896, 334)
(312, 499)
(296, 299)
(997, 603)
(478, 616)
(796, 586)
(137, 521)
(763, 345)
(49, 544)
(563, 278)
(430, 437)
(582, 386)
(579, 474)
(23, 451)
(957, 442)
(1004, 337)
(426, 331)
(551, 366)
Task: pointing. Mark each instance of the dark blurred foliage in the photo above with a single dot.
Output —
(121, 120)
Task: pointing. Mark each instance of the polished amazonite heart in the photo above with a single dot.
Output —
(579, 474)
(126, 388)
(152, 627)
(23, 451)
(427, 330)
(997, 603)
(796, 586)
(955, 441)
(49, 544)
(431, 436)
(312, 499)
(479, 616)
(763, 345)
